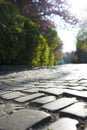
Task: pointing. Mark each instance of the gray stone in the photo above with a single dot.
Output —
(78, 109)
(62, 86)
(22, 119)
(72, 81)
(59, 104)
(73, 84)
(77, 88)
(46, 85)
(2, 113)
(17, 88)
(64, 124)
(44, 100)
(3, 87)
(8, 108)
(83, 81)
(81, 94)
(85, 88)
(12, 95)
(29, 97)
(32, 90)
(17, 83)
(53, 91)
(4, 92)
(84, 84)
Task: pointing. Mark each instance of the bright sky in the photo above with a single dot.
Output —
(79, 9)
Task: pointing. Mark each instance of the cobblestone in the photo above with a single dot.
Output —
(41, 99)
(29, 97)
(44, 100)
(22, 119)
(64, 124)
(59, 104)
(12, 95)
(53, 91)
(78, 109)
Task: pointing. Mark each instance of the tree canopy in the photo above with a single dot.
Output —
(10, 32)
(82, 43)
(21, 41)
(40, 10)
(82, 38)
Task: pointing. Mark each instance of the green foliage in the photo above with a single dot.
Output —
(45, 51)
(52, 38)
(82, 38)
(51, 59)
(18, 36)
(10, 33)
(1, 0)
(55, 45)
(41, 53)
(82, 44)
(21, 41)
(49, 129)
(31, 41)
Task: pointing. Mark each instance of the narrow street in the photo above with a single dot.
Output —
(50, 98)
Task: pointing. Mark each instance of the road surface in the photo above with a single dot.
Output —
(50, 98)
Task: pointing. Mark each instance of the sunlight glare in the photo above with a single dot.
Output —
(78, 7)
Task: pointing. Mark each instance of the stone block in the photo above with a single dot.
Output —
(44, 100)
(12, 95)
(78, 109)
(64, 124)
(22, 119)
(29, 97)
(59, 104)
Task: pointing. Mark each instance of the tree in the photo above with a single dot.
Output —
(20, 39)
(41, 53)
(10, 33)
(51, 59)
(40, 10)
(82, 43)
(54, 42)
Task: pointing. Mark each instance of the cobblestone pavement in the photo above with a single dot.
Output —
(44, 99)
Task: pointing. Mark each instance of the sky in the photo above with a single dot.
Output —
(66, 32)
